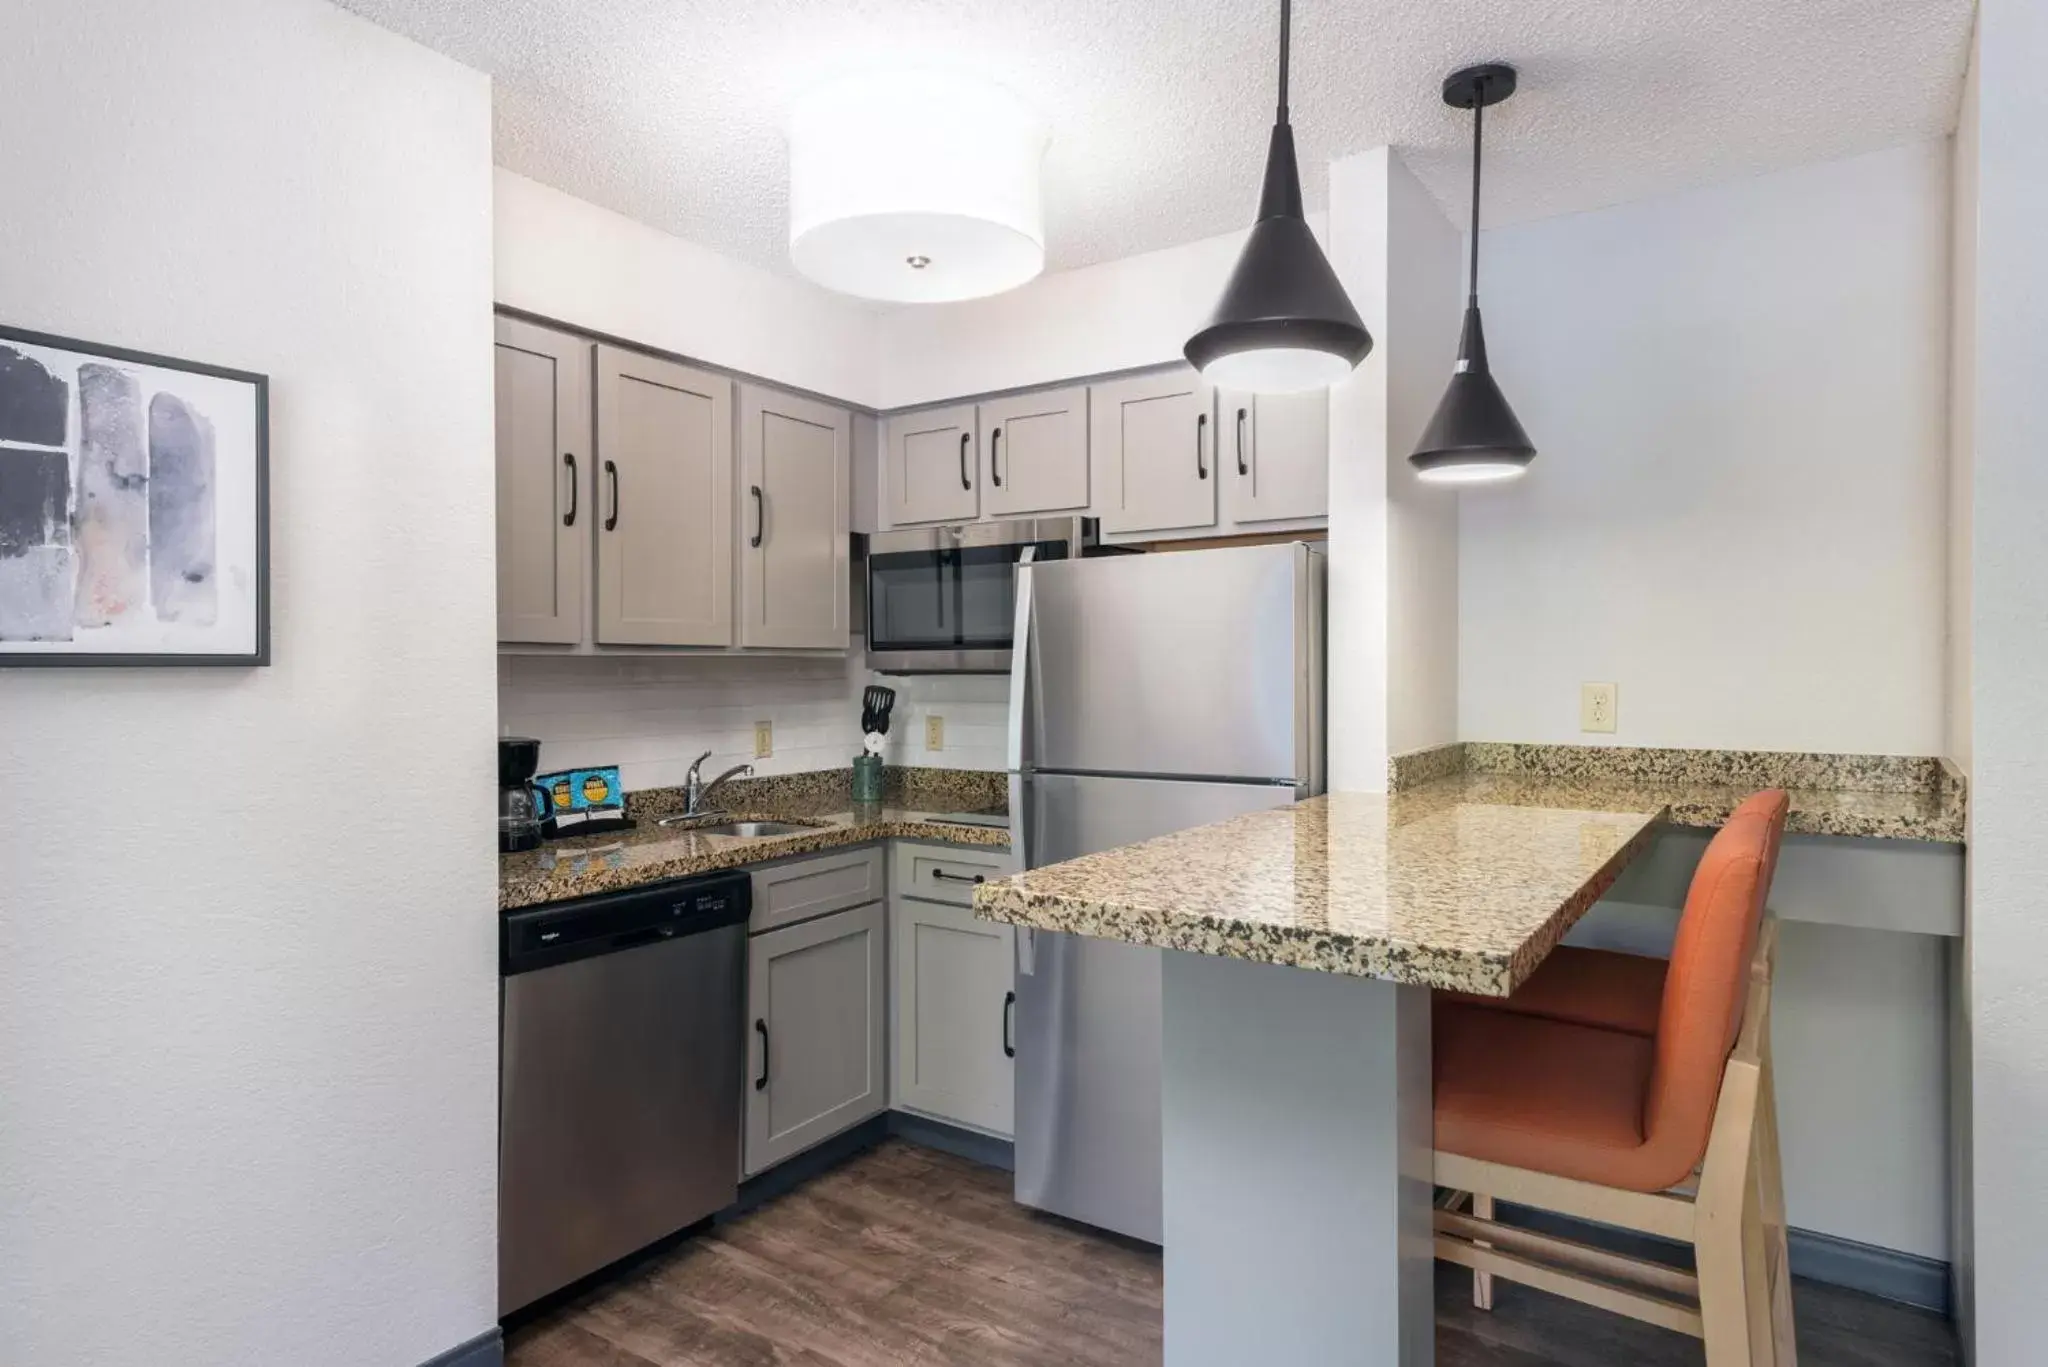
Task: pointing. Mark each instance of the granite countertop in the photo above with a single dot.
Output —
(1877, 797)
(1439, 888)
(652, 853)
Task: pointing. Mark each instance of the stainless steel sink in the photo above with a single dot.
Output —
(696, 825)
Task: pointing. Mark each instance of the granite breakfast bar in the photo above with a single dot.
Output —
(1296, 1071)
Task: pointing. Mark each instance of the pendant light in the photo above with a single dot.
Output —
(1284, 323)
(1474, 437)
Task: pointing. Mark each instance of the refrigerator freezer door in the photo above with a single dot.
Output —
(1088, 1025)
(1200, 664)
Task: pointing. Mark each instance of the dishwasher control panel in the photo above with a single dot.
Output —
(562, 932)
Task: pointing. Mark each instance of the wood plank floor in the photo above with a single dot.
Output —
(908, 1256)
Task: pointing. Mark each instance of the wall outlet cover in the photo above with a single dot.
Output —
(934, 733)
(1598, 705)
(764, 739)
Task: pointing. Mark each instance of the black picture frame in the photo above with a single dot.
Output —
(259, 385)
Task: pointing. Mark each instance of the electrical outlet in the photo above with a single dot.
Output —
(934, 733)
(764, 739)
(1597, 706)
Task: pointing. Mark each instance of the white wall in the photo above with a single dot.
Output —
(1738, 394)
(248, 1006)
(2008, 934)
(569, 260)
(652, 716)
(1962, 414)
(1393, 641)
(1135, 311)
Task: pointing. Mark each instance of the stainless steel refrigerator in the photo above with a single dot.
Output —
(1148, 694)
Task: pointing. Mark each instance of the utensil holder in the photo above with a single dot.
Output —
(867, 778)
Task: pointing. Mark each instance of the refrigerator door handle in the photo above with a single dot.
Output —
(1020, 660)
(1027, 951)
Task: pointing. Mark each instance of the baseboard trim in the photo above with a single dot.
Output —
(1887, 1273)
(972, 1145)
(815, 1161)
(1904, 1277)
(485, 1350)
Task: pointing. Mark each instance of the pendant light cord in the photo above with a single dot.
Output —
(1286, 13)
(1478, 119)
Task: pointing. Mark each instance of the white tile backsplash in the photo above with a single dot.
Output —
(652, 715)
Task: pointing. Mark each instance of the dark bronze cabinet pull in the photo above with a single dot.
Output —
(1201, 426)
(761, 1082)
(942, 876)
(1242, 468)
(966, 440)
(1009, 1020)
(575, 489)
(760, 516)
(611, 523)
(994, 439)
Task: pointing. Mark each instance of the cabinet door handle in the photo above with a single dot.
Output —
(575, 489)
(1009, 1020)
(1201, 426)
(994, 440)
(940, 875)
(611, 523)
(1242, 468)
(760, 516)
(761, 1082)
(966, 440)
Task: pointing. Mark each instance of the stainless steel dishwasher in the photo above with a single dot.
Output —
(621, 1073)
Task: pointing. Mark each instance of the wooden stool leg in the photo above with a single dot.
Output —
(1482, 1282)
(1771, 1180)
(1728, 1225)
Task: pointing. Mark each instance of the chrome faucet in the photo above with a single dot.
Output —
(695, 790)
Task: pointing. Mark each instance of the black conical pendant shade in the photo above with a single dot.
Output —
(1474, 436)
(1284, 322)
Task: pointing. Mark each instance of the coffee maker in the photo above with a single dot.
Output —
(520, 802)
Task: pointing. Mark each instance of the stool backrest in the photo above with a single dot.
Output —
(1707, 984)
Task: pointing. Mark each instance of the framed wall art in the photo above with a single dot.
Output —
(134, 507)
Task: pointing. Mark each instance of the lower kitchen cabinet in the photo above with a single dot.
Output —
(817, 1027)
(954, 1014)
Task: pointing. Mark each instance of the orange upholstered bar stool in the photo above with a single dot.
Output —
(1562, 1102)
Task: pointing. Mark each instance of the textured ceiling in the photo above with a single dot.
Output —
(672, 111)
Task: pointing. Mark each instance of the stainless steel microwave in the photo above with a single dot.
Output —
(943, 600)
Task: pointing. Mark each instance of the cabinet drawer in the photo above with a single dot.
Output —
(803, 888)
(938, 873)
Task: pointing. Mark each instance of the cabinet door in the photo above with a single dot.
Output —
(664, 503)
(1154, 438)
(1035, 453)
(544, 484)
(815, 1032)
(931, 464)
(955, 1017)
(1276, 456)
(795, 518)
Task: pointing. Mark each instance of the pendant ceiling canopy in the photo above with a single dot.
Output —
(1284, 322)
(915, 187)
(1474, 437)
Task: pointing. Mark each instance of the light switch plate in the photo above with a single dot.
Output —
(934, 733)
(764, 739)
(1597, 706)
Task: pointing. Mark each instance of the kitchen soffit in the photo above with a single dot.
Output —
(672, 111)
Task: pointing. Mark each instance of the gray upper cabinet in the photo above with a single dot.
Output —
(795, 516)
(1035, 453)
(931, 466)
(1154, 443)
(544, 483)
(664, 503)
(1276, 456)
(817, 1027)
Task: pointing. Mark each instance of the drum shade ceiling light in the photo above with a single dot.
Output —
(915, 187)
(1474, 437)
(1284, 323)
